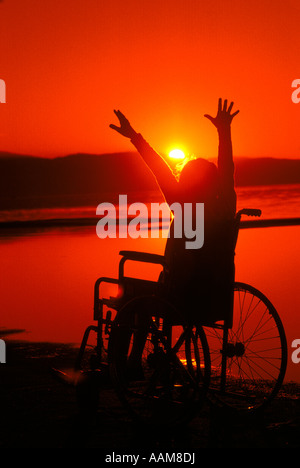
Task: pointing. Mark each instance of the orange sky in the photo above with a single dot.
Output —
(67, 64)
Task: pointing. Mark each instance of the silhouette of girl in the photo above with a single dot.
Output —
(199, 280)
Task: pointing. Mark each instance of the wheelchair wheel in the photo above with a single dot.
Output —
(162, 389)
(254, 353)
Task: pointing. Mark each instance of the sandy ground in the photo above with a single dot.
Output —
(39, 411)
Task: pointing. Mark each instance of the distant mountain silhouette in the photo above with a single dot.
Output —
(88, 179)
(266, 171)
(74, 180)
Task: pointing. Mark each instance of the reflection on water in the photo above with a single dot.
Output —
(47, 279)
(276, 201)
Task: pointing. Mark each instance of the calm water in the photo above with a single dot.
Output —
(47, 277)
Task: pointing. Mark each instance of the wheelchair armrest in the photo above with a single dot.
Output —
(99, 302)
(145, 257)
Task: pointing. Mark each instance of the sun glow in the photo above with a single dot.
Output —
(176, 154)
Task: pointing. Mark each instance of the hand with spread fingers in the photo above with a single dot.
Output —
(125, 128)
(224, 117)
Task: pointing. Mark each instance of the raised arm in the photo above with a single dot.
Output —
(158, 166)
(222, 122)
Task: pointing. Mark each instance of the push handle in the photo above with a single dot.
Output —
(248, 212)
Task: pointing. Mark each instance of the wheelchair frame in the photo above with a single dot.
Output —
(104, 324)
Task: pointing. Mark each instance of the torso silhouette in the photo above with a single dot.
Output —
(199, 280)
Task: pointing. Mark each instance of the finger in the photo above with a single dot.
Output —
(230, 107)
(117, 114)
(220, 104)
(114, 127)
(121, 115)
(209, 117)
(235, 113)
(225, 105)
(123, 120)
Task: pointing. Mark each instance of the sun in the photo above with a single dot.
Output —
(176, 154)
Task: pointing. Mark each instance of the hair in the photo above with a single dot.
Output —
(199, 176)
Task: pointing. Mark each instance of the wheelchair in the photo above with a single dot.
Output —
(237, 363)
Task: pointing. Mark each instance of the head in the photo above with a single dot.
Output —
(199, 180)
